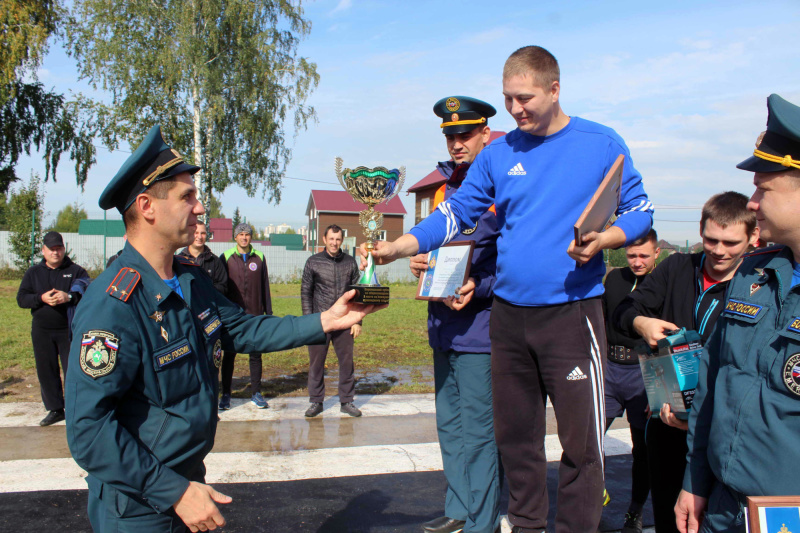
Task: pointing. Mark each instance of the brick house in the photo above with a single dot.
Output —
(220, 229)
(426, 188)
(338, 207)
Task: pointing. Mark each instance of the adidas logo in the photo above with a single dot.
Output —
(576, 374)
(517, 170)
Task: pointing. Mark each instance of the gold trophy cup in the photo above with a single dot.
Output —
(370, 186)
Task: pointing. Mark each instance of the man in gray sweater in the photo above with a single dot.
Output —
(326, 277)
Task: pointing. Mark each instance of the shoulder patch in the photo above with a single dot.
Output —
(123, 285)
(768, 250)
(98, 353)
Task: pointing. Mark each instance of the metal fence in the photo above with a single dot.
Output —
(92, 252)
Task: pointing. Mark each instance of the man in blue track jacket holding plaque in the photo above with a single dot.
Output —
(547, 330)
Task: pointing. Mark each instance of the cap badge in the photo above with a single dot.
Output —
(452, 104)
(454, 117)
(760, 138)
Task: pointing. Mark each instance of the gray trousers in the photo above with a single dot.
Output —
(343, 345)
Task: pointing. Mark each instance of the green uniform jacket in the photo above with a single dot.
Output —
(744, 428)
(141, 386)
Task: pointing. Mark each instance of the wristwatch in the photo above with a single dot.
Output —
(69, 296)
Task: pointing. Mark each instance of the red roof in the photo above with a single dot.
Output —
(436, 177)
(342, 202)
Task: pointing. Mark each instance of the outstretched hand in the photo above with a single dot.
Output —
(385, 252)
(344, 313)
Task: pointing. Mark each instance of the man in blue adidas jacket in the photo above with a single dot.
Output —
(744, 428)
(547, 329)
(458, 332)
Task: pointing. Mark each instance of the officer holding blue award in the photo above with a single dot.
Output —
(141, 389)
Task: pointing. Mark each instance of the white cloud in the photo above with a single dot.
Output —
(343, 5)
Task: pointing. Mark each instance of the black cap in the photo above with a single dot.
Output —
(52, 238)
(152, 161)
(461, 114)
(778, 148)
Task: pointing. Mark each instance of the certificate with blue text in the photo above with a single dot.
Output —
(448, 270)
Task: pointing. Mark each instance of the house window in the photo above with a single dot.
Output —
(382, 235)
(424, 207)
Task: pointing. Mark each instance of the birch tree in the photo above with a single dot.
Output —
(222, 77)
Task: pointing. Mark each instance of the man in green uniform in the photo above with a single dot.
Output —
(744, 429)
(141, 388)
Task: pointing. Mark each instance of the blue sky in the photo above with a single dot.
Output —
(684, 83)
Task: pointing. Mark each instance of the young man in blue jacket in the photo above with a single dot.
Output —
(547, 331)
(458, 332)
(744, 429)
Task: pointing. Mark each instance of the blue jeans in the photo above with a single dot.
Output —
(464, 420)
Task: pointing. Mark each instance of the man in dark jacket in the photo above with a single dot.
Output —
(624, 386)
(326, 277)
(46, 291)
(248, 286)
(685, 290)
(202, 256)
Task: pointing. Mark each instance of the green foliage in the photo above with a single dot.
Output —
(290, 231)
(3, 212)
(69, 218)
(616, 258)
(214, 207)
(27, 200)
(222, 78)
(25, 26)
(31, 116)
(237, 218)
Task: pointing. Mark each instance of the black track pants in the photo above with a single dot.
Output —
(50, 345)
(556, 351)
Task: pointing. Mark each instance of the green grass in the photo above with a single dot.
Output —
(391, 339)
(16, 349)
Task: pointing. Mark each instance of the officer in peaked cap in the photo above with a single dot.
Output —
(458, 333)
(743, 430)
(141, 391)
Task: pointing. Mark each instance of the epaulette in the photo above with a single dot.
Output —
(185, 261)
(123, 285)
(775, 248)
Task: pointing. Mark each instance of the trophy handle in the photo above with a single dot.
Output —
(337, 166)
(399, 184)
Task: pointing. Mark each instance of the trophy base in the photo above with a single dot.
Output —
(370, 294)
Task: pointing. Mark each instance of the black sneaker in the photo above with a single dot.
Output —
(350, 409)
(441, 524)
(633, 523)
(52, 417)
(314, 410)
